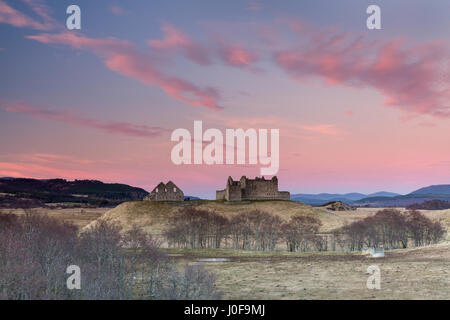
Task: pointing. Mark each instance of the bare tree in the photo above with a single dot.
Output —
(194, 283)
(196, 228)
(301, 232)
(35, 251)
(391, 228)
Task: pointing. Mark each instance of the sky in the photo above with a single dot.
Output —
(358, 110)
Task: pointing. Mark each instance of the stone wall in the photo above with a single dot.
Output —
(166, 192)
(252, 189)
(284, 195)
(220, 194)
(259, 188)
(233, 191)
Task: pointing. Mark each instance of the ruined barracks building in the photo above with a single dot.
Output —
(249, 189)
(166, 192)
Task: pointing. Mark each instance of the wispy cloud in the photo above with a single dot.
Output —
(118, 10)
(327, 129)
(407, 76)
(13, 17)
(410, 77)
(288, 127)
(114, 127)
(123, 57)
(174, 39)
(236, 55)
(26, 166)
(349, 112)
(254, 6)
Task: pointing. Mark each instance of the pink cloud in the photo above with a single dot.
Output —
(68, 167)
(254, 6)
(236, 55)
(427, 124)
(327, 129)
(175, 39)
(11, 16)
(38, 171)
(104, 47)
(42, 10)
(122, 57)
(137, 67)
(349, 112)
(288, 128)
(407, 76)
(46, 157)
(115, 127)
(118, 10)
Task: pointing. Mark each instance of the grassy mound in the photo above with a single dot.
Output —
(153, 216)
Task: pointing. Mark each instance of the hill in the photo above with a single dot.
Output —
(153, 216)
(383, 194)
(337, 206)
(323, 198)
(435, 189)
(400, 201)
(417, 197)
(18, 192)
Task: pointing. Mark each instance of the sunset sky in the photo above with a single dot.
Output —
(358, 110)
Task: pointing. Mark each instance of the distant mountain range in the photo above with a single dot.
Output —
(435, 192)
(322, 198)
(379, 199)
(436, 189)
(21, 192)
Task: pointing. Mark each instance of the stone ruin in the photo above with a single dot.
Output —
(166, 192)
(249, 189)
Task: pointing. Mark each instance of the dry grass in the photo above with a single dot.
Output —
(78, 216)
(421, 273)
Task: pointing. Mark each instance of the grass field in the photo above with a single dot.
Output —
(78, 216)
(422, 273)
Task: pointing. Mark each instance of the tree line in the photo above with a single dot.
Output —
(258, 230)
(390, 228)
(254, 230)
(430, 205)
